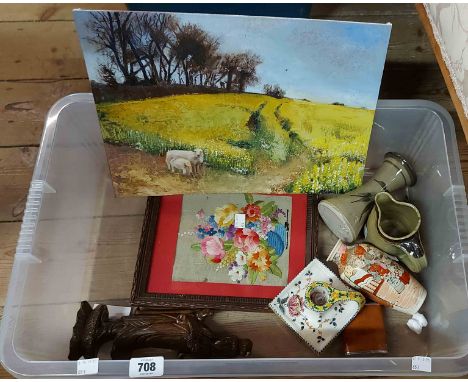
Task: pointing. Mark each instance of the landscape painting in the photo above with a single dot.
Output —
(194, 103)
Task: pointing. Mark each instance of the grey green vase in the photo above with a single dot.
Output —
(345, 215)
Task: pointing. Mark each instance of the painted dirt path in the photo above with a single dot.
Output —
(252, 143)
(138, 173)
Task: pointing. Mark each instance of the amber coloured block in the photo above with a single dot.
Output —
(366, 333)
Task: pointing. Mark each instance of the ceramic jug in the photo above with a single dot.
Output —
(366, 268)
(393, 227)
(346, 214)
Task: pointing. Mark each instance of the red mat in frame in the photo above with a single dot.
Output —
(153, 284)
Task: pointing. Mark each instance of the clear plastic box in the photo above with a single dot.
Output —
(79, 242)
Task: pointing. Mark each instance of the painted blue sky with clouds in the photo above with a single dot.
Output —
(320, 60)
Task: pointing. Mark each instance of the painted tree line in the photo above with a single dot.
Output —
(155, 48)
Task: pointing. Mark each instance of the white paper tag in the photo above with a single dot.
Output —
(239, 221)
(87, 366)
(146, 367)
(420, 363)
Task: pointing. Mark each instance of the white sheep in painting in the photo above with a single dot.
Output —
(181, 164)
(195, 157)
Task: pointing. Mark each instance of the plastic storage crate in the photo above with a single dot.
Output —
(78, 242)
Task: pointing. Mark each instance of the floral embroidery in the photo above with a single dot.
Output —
(249, 254)
(246, 239)
(316, 284)
(252, 212)
(237, 272)
(213, 248)
(224, 216)
(200, 214)
(241, 258)
(320, 339)
(295, 305)
(339, 308)
(259, 261)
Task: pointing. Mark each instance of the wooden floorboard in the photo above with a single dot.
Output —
(4, 373)
(43, 50)
(357, 10)
(8, 237)
(16, 168)
(48, 12)
(25, 104)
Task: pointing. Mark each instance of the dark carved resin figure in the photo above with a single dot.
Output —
(182, 331)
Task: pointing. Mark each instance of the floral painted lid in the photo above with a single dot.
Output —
(317, 305)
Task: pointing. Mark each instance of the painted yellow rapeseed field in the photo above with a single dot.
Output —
(250, 134)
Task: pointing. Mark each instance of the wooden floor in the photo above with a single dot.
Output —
(41, 61)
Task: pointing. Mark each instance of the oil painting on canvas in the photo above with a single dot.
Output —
(193, 103)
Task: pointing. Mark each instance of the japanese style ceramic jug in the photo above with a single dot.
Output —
(366, 268)
(393, 227)
(346, 214)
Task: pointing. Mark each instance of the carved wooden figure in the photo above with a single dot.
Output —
(180, 330)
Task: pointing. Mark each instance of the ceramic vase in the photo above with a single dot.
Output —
(366, 268)
(393, 227)
(346, 214)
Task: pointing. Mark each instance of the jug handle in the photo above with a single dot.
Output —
(412, 248)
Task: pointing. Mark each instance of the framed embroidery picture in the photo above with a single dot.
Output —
(224, 251)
